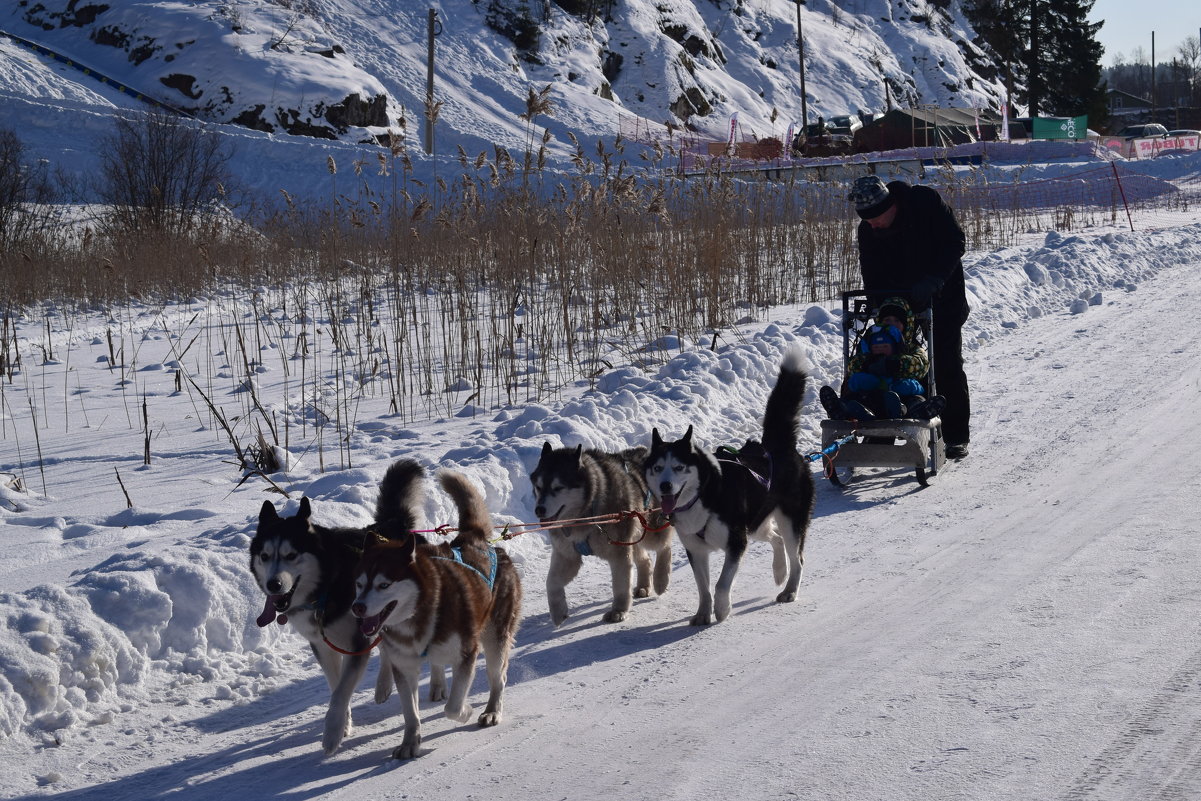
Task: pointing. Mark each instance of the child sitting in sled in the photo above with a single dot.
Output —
(886, 374)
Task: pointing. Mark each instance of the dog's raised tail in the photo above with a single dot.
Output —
(400, 494)
(474, 521)
(780, 417)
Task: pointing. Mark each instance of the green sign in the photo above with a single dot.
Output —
(1059, 127)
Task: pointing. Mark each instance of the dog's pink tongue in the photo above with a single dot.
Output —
(668, 503)
(268, 614)
(369, 625)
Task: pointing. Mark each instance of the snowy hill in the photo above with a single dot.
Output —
(349, 69)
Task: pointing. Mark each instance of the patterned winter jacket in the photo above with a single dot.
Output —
(911, 364)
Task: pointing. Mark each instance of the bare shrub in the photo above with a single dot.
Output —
(161, 173)
(24, 189)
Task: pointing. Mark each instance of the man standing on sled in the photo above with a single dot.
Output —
(910, 243)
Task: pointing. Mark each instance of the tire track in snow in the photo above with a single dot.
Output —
(1158, 755)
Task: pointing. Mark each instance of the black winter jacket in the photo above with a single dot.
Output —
(918, 256)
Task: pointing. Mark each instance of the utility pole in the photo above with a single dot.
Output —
(800, 43)
(1153, 105)
(429, 85)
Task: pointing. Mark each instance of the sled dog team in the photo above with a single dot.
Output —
(349, 590)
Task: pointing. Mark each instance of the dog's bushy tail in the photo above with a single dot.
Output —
(475, 524)
(780, 417)
(400, 494)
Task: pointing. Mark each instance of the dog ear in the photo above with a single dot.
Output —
(579, 451)
(546, 449)
(656, 440)
(305, 510)
(686, 441)
(268, 514)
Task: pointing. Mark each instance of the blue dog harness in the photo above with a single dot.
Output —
(457, 554)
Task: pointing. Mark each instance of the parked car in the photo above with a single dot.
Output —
(1184, 132)
(1142, 131)
(818, 139)
(845, 124)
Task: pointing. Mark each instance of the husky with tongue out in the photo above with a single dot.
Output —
(718, 501)
(442, 602)
(306, 572)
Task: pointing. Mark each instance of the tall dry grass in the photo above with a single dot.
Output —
(498, 286)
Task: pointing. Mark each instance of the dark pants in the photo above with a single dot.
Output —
(950, 379)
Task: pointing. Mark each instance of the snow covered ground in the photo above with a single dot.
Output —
(1024, 628)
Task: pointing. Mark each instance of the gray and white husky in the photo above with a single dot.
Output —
(573, 483)
(443, 602)
(306, 572)
(717, 501)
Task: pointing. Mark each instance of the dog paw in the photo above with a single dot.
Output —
(700, 620)
(407, 749)
(383, 685)
(437, 683)
(489, 718)
(332, 741)
(615, 616)
(461, 715)
(642, 592)
(557, 620)
(337, 727)
(786, 597)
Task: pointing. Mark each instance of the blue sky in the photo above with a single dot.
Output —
(1129, 23)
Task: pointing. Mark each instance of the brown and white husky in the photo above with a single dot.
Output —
(441, 603)
(305, 571)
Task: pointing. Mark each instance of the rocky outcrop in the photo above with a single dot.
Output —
(265, 76)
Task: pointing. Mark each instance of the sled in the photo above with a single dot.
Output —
(902, 443)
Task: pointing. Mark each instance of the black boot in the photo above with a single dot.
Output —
(832, 403)
(928, 409)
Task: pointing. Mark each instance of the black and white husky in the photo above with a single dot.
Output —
(307, 573)
(717, 502)
(573, 483)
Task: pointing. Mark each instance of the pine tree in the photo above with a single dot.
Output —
(1000, 25)
(1049, 52)
(1075, 62)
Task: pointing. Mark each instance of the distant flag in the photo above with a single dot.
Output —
(733, 125)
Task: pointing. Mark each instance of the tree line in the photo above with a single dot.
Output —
(1176, 77)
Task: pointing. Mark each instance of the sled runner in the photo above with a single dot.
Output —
(884, 443)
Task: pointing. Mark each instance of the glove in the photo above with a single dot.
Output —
(923, 293)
